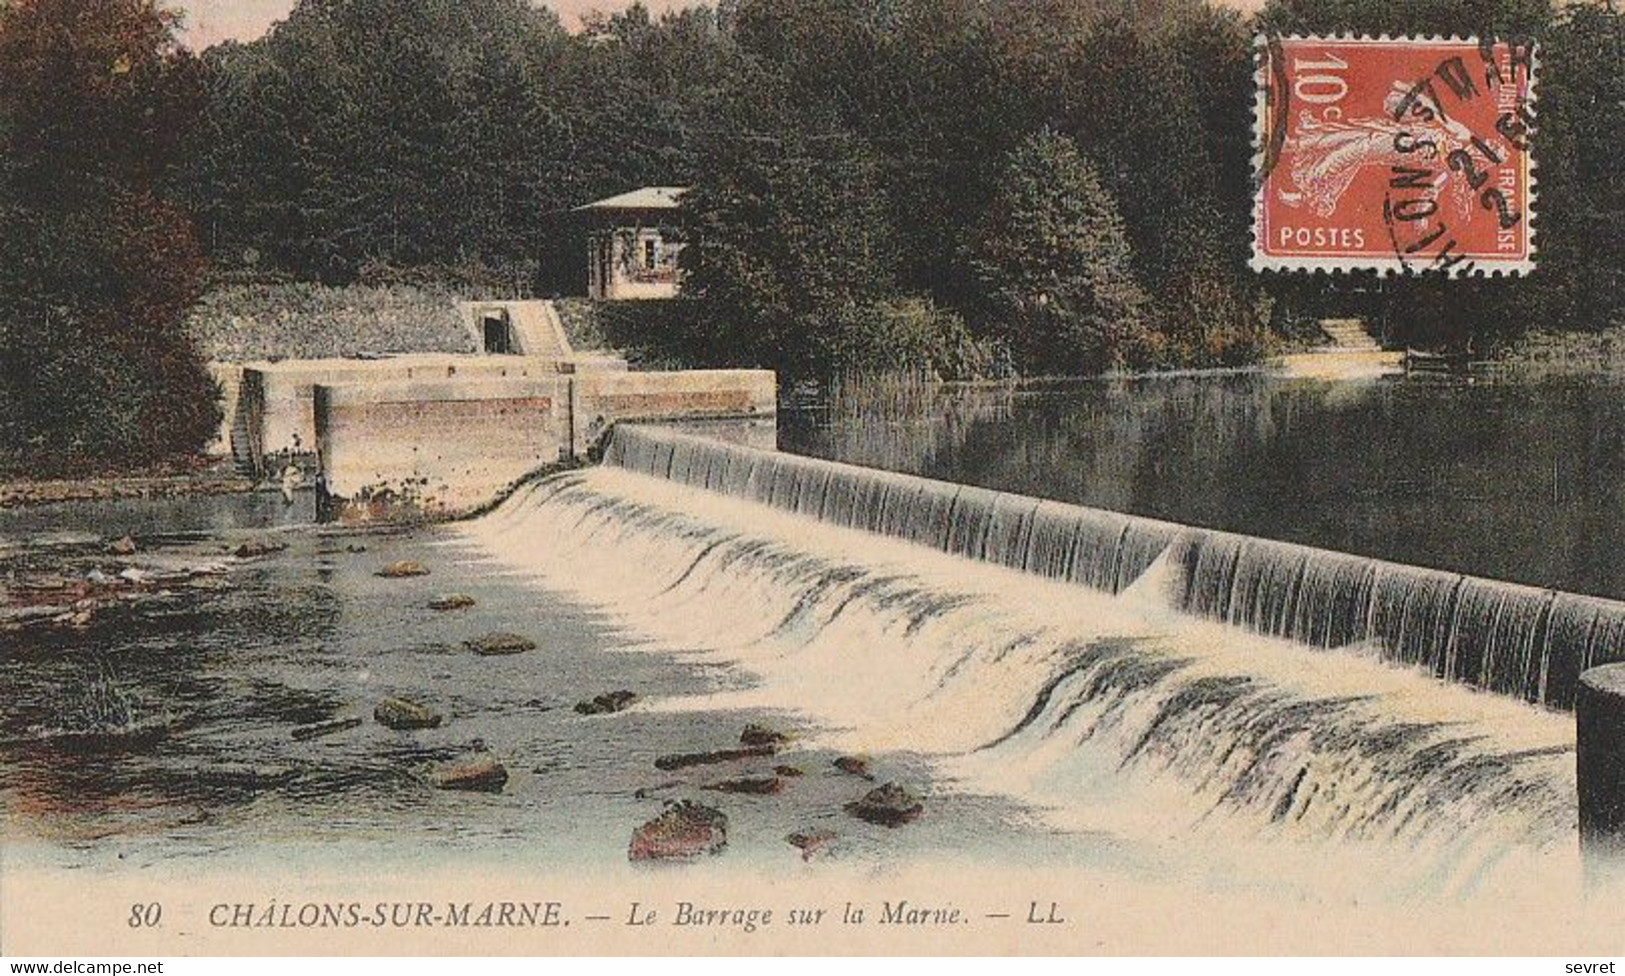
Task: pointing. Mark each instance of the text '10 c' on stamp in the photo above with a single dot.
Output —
(1395, 155)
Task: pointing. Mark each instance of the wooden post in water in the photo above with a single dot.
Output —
(1599, 716)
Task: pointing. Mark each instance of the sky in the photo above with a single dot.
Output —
(211, 21)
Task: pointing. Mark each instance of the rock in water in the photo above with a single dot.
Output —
(761, 735)
(683, 830)
(480, 773)
(754, 785)
(856, 765)
(788, 771)
(888, 806)
(243, 776)
(500, 643)
(685, 759)
(606, 704)
(123, 547)
(398, 713)
(453, 601)
(319, 729)
(255, 548)
(813, 843)
(402, 569)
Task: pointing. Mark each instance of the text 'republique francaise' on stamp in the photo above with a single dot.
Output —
(1396, 155)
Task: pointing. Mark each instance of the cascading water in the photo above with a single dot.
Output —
(1107, 705)
(1515, 640)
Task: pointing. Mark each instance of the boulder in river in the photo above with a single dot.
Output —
(760, 735)
(123, 547)
(753, 785)
(451, 601)
(889, 806)
(402, 569)
(497, 644)
(400, 714)
(812, 843)
(607, 703)
(255, 548)
(479, 773)
(683, 830)
(685, 759)
(855, 765)
(789, 772)
(330, 727)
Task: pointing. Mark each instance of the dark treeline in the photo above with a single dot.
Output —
(960, 185)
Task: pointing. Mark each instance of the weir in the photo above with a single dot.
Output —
(1520, 641)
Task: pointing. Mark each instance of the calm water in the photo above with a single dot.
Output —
(1520, 482)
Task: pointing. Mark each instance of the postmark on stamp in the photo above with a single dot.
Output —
(1396, 155)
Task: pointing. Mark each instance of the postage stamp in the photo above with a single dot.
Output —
(1397, 155)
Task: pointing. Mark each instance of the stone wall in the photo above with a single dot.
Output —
(447, 445)
(599, 400)
(275, 416)
(434, 448)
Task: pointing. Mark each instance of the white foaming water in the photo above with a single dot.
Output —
(1259, 761)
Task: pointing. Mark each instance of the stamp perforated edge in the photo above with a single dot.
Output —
(1386, 267)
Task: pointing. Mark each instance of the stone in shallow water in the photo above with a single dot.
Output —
(683, 830)
(123, 547)
(500, 643)
(452, 601)
(812, 843)
(319, 729)
(481, 773)
(856, 765)
(686, 759)
(255, 548)
(398, 713)
(401, 569)
(889, 806)
(761, 735)
(754, 785)
(606, 704)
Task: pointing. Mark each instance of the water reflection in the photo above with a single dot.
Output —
(1509, 481)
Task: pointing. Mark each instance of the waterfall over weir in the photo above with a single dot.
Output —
(1516, 640)
(1186, 742)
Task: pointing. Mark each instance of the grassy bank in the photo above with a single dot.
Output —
(241, 322)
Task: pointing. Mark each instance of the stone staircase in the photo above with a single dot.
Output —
(1348, 335)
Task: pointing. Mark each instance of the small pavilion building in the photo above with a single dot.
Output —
(633, 240)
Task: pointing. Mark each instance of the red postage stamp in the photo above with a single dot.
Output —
(1395, 154)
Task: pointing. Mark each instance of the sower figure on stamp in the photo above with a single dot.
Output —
(1328, 155)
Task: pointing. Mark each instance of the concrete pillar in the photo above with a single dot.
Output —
(1599, 715)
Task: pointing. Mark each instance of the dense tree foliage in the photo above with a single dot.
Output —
(1054, 265)
(859, 194)
(829, 139)
(98, 264)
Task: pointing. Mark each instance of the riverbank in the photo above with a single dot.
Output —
(209, 476)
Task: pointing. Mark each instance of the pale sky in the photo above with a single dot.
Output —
(211, 21)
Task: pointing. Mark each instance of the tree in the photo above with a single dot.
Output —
(98, 264)
(789, 238)
(1055, 264)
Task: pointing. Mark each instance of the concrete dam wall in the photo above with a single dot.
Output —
(1520, 641)
(443, 446)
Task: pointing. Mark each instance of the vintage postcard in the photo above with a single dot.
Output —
(493, 478)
